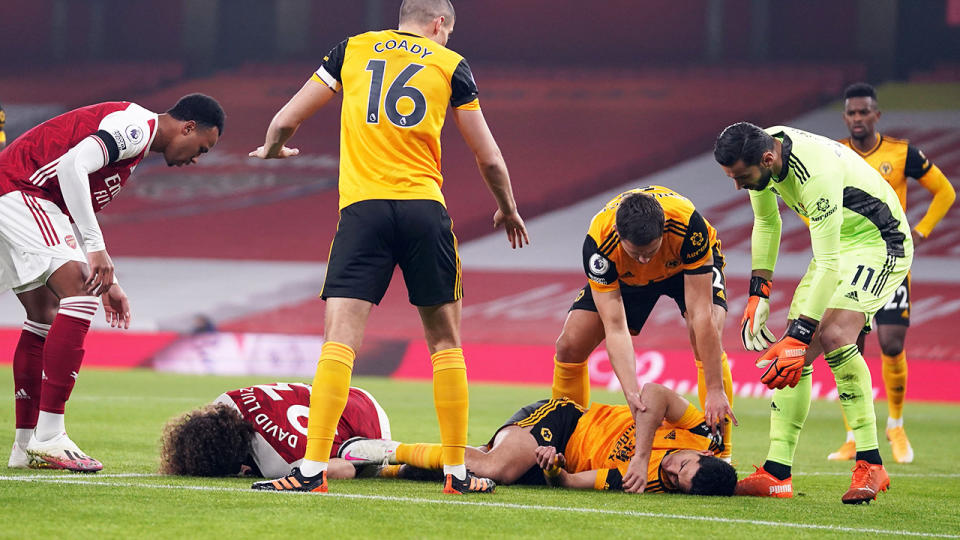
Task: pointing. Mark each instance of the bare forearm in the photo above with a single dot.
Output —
(495, 175)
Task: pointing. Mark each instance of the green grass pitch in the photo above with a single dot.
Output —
(117, 417)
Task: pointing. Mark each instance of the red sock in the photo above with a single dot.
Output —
(27, 373)
(63, 351)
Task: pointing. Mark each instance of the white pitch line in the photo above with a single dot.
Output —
(892, 476)
(511, 506)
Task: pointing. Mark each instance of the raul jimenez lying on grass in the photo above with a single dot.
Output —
(262, 431)
(558, 442)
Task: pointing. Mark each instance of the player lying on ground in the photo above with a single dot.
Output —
(66, 170)
(261, 431)
(559, 442)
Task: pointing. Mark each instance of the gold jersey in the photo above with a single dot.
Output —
(605, 438)
(895, 160)
(396, 90)
(688, 243)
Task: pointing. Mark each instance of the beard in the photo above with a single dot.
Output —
(763, 181)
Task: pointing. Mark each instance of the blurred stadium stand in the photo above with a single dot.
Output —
(580, 103)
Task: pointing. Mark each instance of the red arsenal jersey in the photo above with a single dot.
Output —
(279, 413)
(124, 131)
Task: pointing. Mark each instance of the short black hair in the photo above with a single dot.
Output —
(201, 108)
(742, 140)
(715, 477)
(212, 441)
(639, 219)
(860, 89)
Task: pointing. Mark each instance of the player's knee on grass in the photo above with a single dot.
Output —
(715, 477)
(210, 441)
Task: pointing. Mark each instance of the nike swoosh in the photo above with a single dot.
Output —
(350, 457)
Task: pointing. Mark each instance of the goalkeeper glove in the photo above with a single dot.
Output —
(784, 361)
(753, 327)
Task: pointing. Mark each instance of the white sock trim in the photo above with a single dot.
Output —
(894, 422)
(309, 467)
(460, 471)
(80, 307)
(850, 437)
(36, 328)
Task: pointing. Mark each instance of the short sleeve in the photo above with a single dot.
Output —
(917, 164)
(600, 270)
(464, 88)
(329, 71)
(127, 131)
(695, 249)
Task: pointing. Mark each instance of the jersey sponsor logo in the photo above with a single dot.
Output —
(71, 241)
(134, 133)
(121, 141)
(696, 239)
(599, 265)
(402, 45)
(104, 196)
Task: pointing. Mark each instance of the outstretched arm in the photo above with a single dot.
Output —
(304, 104)
(493, 169)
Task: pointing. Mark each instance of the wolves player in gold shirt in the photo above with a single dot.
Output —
(896, 160)
(644, 244)
(560, 443)
(397, 86)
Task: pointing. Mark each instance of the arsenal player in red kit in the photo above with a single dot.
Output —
(262, 431)
(66, 170)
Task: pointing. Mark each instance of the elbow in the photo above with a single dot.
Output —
(490, 162)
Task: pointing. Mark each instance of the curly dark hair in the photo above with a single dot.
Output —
(715, 477)
(211, 441)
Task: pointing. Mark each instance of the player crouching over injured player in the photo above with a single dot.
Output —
(557, 442)
(261, 431)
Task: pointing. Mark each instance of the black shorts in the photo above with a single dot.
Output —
(897, 309)
(638, 302)
(553, 422)
(375, 236)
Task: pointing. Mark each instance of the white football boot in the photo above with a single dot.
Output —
(360, 451)
(18, 458)
(60, 453)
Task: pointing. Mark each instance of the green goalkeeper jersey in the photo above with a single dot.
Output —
(846, 202)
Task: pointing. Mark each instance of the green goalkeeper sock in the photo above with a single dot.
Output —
(788, 411)
(855, 390)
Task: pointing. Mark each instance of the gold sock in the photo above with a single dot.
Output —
(728, 390)
(451, 399)
(331, 385)
(895, 380)
(423, 455)
(571, 381)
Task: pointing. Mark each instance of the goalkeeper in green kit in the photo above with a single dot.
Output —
(851, 211)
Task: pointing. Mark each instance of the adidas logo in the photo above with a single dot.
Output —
(672, 435)
(74, 374)
(781, 489)
(852, 295)
(773, 406)
(626, 274)
(21, 394)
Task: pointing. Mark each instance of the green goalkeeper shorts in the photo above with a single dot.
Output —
(868, 278)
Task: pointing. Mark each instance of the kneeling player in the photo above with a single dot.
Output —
(559, 442)
(261, 431)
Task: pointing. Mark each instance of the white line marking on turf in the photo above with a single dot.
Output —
(511, 506)
(893, 475)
